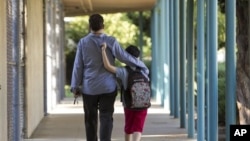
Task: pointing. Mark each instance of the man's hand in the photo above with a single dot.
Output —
(77, 93)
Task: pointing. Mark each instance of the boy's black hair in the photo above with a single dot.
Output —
(96, 22)
(133, 50)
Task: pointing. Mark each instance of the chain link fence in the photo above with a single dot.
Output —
(15, 89)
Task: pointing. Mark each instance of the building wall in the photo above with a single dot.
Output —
(34, 50)
(3, 72)
(54, 53)
(34, 63)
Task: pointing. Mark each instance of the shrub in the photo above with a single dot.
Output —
(67, 91)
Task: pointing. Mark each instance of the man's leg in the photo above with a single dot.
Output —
(106, 108)
(90, 105)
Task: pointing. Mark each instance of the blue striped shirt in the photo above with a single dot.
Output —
(89, 72)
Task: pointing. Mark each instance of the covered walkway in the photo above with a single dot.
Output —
(32, 69)
(65, 123)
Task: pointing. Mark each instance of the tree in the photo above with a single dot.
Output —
(146, 15)
(243, 59)
(243, 62)
(146, 21)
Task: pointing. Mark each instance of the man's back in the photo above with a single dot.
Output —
(96, 79)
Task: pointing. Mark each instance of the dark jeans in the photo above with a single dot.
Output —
(105, 104)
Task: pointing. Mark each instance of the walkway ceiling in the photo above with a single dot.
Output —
(85, 7)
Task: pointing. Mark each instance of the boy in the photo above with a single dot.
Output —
(134, 119)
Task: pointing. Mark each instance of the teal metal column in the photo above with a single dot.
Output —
(153, 53)
(157, 45)
(230, 66)
(190, 67)
(177, 58)
(155, 83)
(162, 52)
(141, 34)
(207, 71)
(166, 59)
(213, 74)
(183, 64)
(172, 80)
(200, 73)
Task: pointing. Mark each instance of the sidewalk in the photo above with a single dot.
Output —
(66, 123)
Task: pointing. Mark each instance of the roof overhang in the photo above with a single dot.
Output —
(86, 7)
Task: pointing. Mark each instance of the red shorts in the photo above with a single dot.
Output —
(134, 120)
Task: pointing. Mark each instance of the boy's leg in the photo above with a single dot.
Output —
(136, 136)
(139, 120)
(128, 137)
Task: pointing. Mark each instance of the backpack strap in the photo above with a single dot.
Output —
(128, 69)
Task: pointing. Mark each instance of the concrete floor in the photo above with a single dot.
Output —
(66, 123)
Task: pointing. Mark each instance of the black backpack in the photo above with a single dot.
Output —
(138, 93)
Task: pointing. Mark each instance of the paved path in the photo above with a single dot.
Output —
(66, 123)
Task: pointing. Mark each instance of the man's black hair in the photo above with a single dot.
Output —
(133, 50)
(96, 22)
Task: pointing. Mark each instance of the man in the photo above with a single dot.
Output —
(98, 86)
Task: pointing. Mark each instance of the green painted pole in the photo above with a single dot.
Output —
(182, 64)
(160, 97)
(230, 66)
(172, 79)
(207, 71)
(200, 73)
(213, 71)
(177, 58)
(157, 44)
(153, 54)
(190, 67)
(166, 59)
(141, 34)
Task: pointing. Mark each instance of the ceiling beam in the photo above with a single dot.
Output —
(86, 7)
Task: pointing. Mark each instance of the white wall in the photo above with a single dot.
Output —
(3, 72)
(34, 50)
(54, 54)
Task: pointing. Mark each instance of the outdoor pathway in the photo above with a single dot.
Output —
(66, 123)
